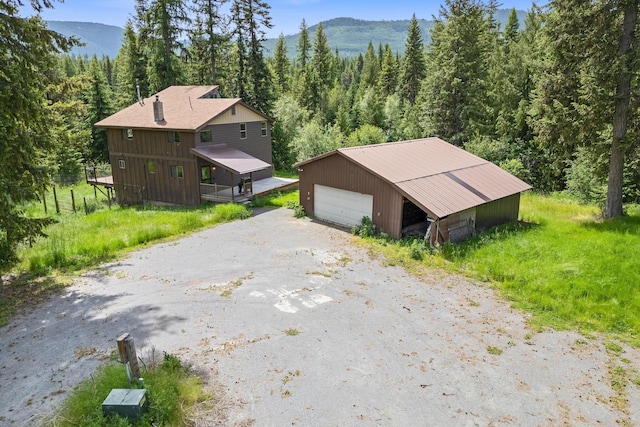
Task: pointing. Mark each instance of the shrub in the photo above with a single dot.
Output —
(417, 249)
(298, 209)
(366, 228)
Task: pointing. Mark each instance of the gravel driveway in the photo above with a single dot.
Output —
(295, 325)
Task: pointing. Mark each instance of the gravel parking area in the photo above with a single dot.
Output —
(292, 324)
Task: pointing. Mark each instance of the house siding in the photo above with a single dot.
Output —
(338, 172)
(135, 184)
(254, 144)
(497, 212)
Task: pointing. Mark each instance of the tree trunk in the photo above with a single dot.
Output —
(613, 207)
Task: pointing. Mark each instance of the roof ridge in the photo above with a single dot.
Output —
(448, 171)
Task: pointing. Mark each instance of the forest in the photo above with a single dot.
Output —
(553, 100)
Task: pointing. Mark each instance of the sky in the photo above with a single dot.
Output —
(286, 15)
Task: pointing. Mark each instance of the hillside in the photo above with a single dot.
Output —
(348, 35)
(99, 39)
(352, 36)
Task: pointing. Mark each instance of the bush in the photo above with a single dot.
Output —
(366, 228)
(417, 249)
(298, 209)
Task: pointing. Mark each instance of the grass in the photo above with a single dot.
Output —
(78, 241)
(171, 391)
(562, 263)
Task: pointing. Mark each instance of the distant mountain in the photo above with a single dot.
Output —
(349, 36)
(352, 36)
(99, 39)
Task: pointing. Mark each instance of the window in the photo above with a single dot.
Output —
(174, 137)
(205, 136)
(121, 164)
(151, 166)
(205, 174)
(127, 133)
(243, 131)
(177, 171)
(233, 110)
(263, 128)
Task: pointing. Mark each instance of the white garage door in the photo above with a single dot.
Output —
(341, 206)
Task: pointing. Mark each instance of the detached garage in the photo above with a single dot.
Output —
(407, 186)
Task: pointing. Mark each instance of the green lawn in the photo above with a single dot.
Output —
(564, 264)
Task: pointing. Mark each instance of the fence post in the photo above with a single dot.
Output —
(73, 202)
(86, 211)
(44, 197)
(55, 198)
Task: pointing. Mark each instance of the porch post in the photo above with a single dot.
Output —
(232, 187)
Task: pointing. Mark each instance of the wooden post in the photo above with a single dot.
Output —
(73, 202)
(127, 351)
(86, 211)
(44, 198)
(55, 198)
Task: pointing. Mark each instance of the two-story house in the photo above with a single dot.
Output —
(185, 144)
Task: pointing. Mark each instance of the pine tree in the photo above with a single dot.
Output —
(163, 21)
(388, 78)
(414, 64)
(249, 17)
(281, 66)
(588, 79)
(453, 95)
(321, 60)
(98, 96)
(28, 56)
(304, 46)
(208, 41)
(370, 68)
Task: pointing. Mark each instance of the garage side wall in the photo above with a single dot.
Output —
(497, 212)
(338, 172)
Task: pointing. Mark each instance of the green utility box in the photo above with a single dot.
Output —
(128, 403)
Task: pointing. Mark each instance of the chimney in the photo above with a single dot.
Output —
(158, 114)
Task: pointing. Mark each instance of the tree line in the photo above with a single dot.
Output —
(553, 100)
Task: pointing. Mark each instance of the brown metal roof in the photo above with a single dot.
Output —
(230, 159)
(184, 107)
(439, 177)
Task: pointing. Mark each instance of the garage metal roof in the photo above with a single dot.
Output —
(230, 159)
(437, 176)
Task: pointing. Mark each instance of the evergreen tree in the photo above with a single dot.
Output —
(27, 54)
(453, 96)
(281, 66)
(249, 17)
(304, 46)
(321, 61)
(208, 41)
(370, 68)
(414, 63)
(98, 96)
(588, 79)
(130, 70)
(388, 77)
(163, 21)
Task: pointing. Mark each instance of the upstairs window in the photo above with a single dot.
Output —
(205, 136)
(243, 131)
(177, 171)
(121, 164)
(127, 133)
(174, 137)
(263, 128)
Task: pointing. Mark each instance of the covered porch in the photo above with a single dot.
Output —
(240, 168)
(222, 194)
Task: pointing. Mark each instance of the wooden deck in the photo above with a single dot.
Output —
(105, 181)
(224, 194)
